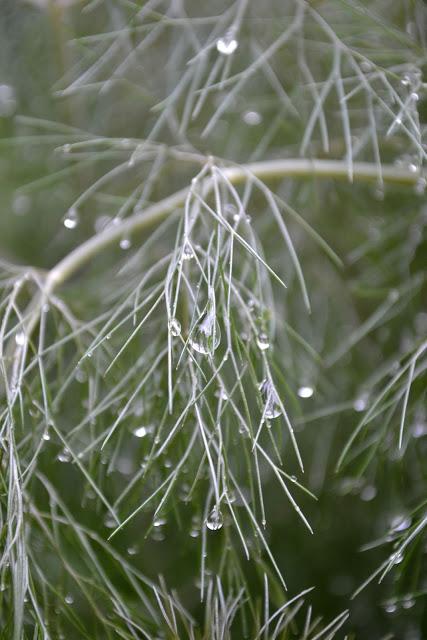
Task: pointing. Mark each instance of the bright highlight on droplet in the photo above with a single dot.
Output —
(125, 244)
(141, 432)
(252, 118)
(305, 392)
(175, 327)
(226, 46)
(215, 520)
(71, 220)
(20, 338)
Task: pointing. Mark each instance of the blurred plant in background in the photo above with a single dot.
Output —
(213, 329)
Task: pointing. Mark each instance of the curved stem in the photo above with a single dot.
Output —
(262, 170)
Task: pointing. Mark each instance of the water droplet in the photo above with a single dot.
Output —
(64, 455)
(215, 520)
(408, 602)
(46, 435)
(206, 336)
(396, 558)
(361, 403)
(7, 101)
(270, 399)
(132, 551)
(263, 341)
(175, 327)
(20, 338)
(419, 429)
(159, 522)
(400, 523)
(414, 96)
(366, 66)
(243, 430)
(368, 493)
(390, 606)
(71, 220)
(293, 478)
(187, 252)
(80, 375)
(221, 393)
(125, 244)
(226, 45)
(305, 392)
(252, 118)
(109, 521)
(69, 599)
(141, 432)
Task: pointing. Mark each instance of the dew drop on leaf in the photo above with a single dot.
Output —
(64, 455)
(263, 341)
(305, 392)
(20, 338)
(206, 336)
(175, 327)
(215, 520)
(227, 45)
(71, 219)
(125, 244)
(270, 400)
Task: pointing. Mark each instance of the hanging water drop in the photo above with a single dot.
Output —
(400, 523)
(215, 520)
(159, 522)
(132, 551)
(69, 599)
(252, 118)
(226, 45)
(46, 435)
(221, 393)
(390, 606)
(141, 432)
(206, 336)
(305, 392)
(361, 403)
(80, 375)
(263, 341)
(64, 455)
(71, 219)
(187, 252)
(175, 327)
(408, 602)
(20, 338)
(125, 243)
(368, 493)
(109, 521)
(270, 400)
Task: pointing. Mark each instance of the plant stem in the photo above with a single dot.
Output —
(262, 170)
